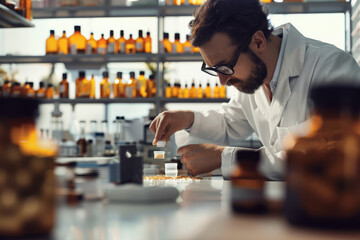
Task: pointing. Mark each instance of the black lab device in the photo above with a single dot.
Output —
(131, 166)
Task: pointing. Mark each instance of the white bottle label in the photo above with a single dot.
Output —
(88, 49)
(31, 95)
(61, 88)
(187, 49)
(128, 92)
(111, 48)
(73, 49)
(122, 45)
(101, 50)
(40, 95)
(139, 46)
(174, 48)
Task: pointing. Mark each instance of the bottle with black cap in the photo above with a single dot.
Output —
(130, 47)
(105, 87)
(177, 46)
(91, 45)
(51, 44)
(30, 92)
(130, 87)
(102, 45)
(63, 44)
(121, 42)
(165, 44)
(82, 86)
(6, 88)
(15, 89)
(148, 43)
(140, 43)
(77, 42)
(50, 91)
(111, 43)
(151, 86)
(118, 87)
(142, 85)
(193, 91)
(64, 87)
(40, 93)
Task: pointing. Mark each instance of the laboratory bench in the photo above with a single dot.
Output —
(202, 211)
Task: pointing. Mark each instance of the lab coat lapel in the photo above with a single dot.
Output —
(291, 67)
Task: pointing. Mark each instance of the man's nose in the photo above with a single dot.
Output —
(223, 78)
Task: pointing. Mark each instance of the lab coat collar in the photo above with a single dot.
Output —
(291, 67)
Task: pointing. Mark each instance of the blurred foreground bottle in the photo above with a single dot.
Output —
(323, 167)
(27, 186)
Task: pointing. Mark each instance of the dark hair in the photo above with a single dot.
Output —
(239, 19)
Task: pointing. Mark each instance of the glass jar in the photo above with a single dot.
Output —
(27, 182)
(323, 167)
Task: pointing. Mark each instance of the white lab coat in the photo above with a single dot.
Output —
(306, 63)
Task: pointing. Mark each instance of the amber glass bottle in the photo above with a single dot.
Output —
(142, 85)
(111, 44)
(222, 91)
(323, 166)
(30, 92)
(92, 86)
(118, 87)
(24, 89)
(6, 89)
(130, 87)
(81, 142)
(82, 86)
(15, 89)
(51, 43)
(175, 90)
(200, 92)
(77, 42)
(151, 86)
(186, 91)
(50, 91)
(165, 45)
(140, 43)
(247, 184)
(181, 92)
(91, 45)
(105, 87)
(217, 91)
(187, 45)
(121, 43)
(177, 2)
(101, 45)
(26, 5)
(148, 43)
(208, 91)
(177, 46)
(130, 47)
(40, 93)
(168, 91)
(63, 43)
(64, 87)
(193, 91)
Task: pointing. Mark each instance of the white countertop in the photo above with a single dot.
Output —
(201, 212)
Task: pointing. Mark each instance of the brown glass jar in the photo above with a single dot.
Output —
(323, 167)
(27, 182)
(247, 183)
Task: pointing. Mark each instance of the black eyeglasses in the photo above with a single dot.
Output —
(225, 69)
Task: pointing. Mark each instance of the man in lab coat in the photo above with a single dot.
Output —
(273, 70)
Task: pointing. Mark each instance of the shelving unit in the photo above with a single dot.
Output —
(10, 19)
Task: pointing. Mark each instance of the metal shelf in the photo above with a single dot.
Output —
(168, 11)
(98, 59)
(133, 100)
(10, 19)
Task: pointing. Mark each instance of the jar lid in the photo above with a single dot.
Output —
(161, 144)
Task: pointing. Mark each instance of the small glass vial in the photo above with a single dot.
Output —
(247, 184)
(160, 154)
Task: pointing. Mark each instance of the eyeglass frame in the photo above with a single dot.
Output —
(231, 66)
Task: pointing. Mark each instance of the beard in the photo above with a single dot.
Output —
(257, 76)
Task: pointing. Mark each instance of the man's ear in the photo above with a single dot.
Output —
(258, 42)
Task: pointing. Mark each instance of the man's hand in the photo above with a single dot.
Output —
(169, 122)
(201, 158)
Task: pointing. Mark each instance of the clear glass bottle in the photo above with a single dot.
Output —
(51, 44)
(63, 43)
(77, 42)
(323, 167)
(140, 43)
(101, 45)
(64, 87)
(121, 43)
(105, 88)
